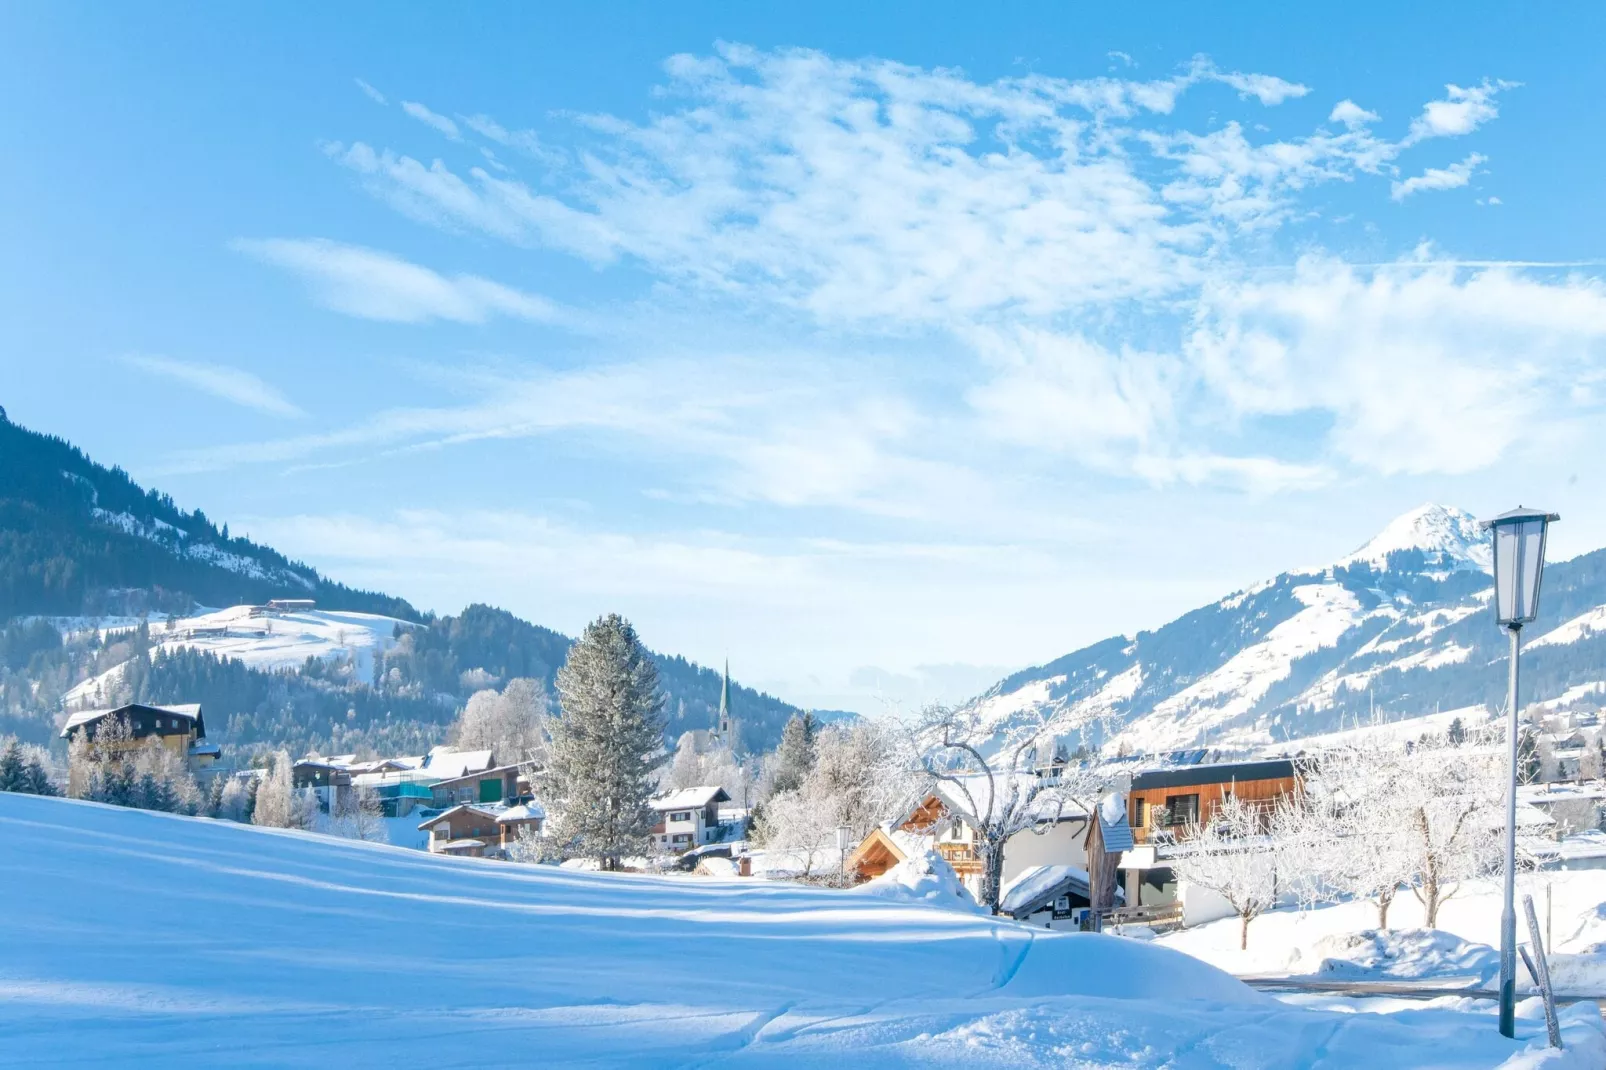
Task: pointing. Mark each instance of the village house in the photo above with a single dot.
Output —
(442, 778)
(1060, 837)
(688, 818)
(179, 728)
(480, 832)
(491, 785)
(1163, 803)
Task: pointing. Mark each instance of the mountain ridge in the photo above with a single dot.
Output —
(1400, 624)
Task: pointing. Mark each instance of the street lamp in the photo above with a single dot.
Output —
(844, 839)
(1519, 562)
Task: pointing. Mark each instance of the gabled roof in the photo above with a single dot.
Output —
(448, 764)
(188, 710)
(444, 814)
(1038, 886)
(478, 774)
(530, 811)
(690, 798)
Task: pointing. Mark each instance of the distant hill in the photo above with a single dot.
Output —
(1401, 627)
(79, 540)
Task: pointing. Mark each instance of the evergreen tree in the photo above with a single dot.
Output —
(36, 780)
(795, 755)
(606, 744)
(214, 797)
(12, 771)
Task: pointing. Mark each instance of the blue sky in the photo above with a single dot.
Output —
(879, 352)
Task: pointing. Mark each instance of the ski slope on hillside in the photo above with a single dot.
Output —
(280, 641)
(142, 939)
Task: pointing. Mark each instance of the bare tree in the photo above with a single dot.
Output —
(1004, 780)
(360, 816)
(1233, 856)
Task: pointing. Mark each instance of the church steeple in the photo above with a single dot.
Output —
(725, 703)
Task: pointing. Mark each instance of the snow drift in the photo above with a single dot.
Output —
(146, 939)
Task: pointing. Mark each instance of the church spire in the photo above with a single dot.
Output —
(725, 703)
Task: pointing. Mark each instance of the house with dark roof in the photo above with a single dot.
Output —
(180, 728)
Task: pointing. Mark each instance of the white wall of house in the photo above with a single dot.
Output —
(1061, 845)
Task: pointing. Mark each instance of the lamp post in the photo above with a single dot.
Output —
(844, 837)
(1519, 562)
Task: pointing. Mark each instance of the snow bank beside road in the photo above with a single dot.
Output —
(146, 939)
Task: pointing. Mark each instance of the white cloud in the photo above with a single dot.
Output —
(1460, 112)
(1422, 367)
(429, 118)
(374, 285)
(1037, 225)
(1436, 178)
(370, 92)
(230, 384)
(1351, 114)
(1266, 88)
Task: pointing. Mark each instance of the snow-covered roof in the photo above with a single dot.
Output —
(1113, 828)
(448, 764)
(190, 710)
(1039, 884)
(444, 814)
(530, 811)
(690, 798)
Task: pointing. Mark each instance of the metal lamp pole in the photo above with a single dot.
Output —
(1508, 911)
(1519, 563)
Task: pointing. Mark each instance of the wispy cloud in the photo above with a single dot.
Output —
(1034, 229)
(1436, 178)
(374, 285)
(230, 384)
(370, 92)
(429, 118)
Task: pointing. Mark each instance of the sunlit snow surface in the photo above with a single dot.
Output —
(139, 939)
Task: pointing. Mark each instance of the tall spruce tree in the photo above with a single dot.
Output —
(795, 755)
(606, 744)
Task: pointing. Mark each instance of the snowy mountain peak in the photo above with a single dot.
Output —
(1448, 536)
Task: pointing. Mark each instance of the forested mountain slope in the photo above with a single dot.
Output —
(92, 566)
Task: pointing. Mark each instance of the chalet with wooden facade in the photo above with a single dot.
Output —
(1164, 802)
(480, 832)
(179, 728)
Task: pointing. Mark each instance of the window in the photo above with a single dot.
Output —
(680, 815)
(1184, 809)
(1138, 815)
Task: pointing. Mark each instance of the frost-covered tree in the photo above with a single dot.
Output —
(1233, 856)
(359, 816)
(1380, 815)
(1004, 780)
(861, 775)
(717, 765)
(511, 723)
(605, 746)
(278, 803)
(794, 756)
(23, 772)
(236, 803)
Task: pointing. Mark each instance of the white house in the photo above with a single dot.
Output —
(688, 818)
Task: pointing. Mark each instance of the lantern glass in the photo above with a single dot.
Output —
(1519, 562)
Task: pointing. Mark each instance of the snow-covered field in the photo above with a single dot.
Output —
(280, 641)
(137, 938)
(1293, 942)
